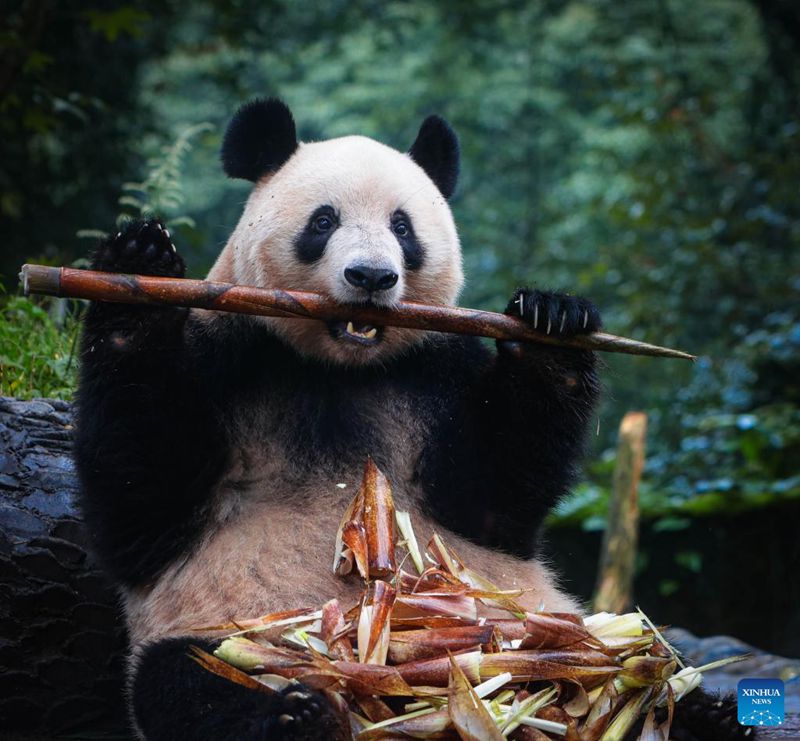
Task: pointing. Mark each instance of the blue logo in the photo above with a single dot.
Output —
(760, 702)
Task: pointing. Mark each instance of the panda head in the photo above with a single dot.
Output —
(349, 218)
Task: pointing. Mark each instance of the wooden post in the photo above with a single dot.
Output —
(614, 592)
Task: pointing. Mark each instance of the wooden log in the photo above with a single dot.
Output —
(62, 636)
(614, 592)
(789, 731)
(201, 294)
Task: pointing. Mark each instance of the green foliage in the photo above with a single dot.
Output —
(740, 440)
(69, 115)
(161, 192)
(37, 348)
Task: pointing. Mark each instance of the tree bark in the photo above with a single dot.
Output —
(62, 638)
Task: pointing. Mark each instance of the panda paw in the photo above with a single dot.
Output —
(301, 714)
(554, 313)
(142, 247)
(703, 716)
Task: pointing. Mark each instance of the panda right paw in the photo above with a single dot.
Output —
(142, 247)
(302, 714)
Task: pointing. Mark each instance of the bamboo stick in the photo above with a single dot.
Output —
(200, 294)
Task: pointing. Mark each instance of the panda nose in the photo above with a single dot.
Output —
(370, 279)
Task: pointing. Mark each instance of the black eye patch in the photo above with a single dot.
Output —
(310, 243)
(403, 230)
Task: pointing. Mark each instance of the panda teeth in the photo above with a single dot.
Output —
(370, 334)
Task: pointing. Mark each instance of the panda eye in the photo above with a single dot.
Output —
(400, 228)
(323, 223)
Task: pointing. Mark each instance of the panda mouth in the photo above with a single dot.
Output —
(360, 334)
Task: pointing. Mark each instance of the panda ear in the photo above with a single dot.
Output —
(259, 139)
(436, 151)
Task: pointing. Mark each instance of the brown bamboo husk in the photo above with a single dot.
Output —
(539, 675)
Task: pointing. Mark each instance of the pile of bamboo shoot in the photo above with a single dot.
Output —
(415, 659)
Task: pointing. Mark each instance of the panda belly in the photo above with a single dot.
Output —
(272, 550)
(273, 555)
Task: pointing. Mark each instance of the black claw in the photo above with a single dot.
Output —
(555, 313)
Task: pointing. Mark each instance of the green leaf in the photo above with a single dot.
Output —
(668, 587)
(126, 20)
(135, 203)
(91, 234)
(668, 524)
(692, 560)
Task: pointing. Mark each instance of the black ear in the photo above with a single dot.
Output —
(436, 151)
(259, 139)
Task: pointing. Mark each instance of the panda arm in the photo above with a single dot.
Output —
(536, 408)
(509, 449)
(172, 697)
(147, 447)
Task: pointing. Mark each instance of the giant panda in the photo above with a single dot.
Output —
(216, 452)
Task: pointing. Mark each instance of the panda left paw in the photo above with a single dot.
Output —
(555, 313)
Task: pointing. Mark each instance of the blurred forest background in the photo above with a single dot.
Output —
(643, 153)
